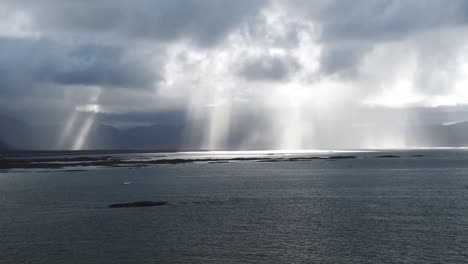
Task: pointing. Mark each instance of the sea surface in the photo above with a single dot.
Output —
(405, 209)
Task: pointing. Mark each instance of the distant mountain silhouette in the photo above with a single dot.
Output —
(4, 146)
(453, 135)
(15, 134)
(145, 137)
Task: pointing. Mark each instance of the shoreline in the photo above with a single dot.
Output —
(72, 164)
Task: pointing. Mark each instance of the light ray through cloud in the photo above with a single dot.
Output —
(88, 113)
(65, 135)
(83, 132)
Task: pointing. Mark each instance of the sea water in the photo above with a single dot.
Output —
(365, 210)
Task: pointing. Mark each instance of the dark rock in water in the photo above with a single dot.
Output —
(417, 156)
(342, 157)
(138, 204)
(303, 158)
(388, 156)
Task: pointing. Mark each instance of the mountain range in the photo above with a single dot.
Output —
(19, 135)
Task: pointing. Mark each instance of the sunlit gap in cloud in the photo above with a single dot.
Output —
(216, 90)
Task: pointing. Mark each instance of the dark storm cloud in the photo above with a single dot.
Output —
(204, 21)
(23, 63)
(107, 66)
(26, 63)
(268, 68)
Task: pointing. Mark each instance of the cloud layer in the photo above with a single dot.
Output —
(213, 60)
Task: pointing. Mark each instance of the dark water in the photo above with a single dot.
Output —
(402, 210)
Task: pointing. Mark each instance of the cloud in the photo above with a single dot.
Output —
(203, 21)
(123, 44)
(351, 30)
(269, 68)
(26, 63)
(51, 78)
(106, 66)
(381, 20)
(342, 60)
(212, 59)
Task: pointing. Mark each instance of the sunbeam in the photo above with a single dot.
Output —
(88, 113)
(218, 127)
(67, 132)
(83, 132)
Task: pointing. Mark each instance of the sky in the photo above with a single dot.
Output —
(272, 67)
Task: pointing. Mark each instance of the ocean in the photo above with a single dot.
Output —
(400, 206)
